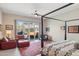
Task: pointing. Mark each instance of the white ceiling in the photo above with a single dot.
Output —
(27, 9)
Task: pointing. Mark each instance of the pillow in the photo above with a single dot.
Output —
(52, 52)
(6, 39)
(61, 53)
(44, 50)
(68, 53)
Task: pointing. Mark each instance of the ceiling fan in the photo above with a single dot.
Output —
(36, 14)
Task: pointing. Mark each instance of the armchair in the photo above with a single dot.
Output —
(7, 44)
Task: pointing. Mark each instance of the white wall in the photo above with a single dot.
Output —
(74, 14)
(9, 19)
(0, 23)
(73, 36)
(55, 29)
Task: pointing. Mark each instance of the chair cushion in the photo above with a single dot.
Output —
(23, 43)
(8, 45)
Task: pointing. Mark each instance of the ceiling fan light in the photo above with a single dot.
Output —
(35, 14)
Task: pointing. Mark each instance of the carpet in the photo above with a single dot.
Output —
(32, 50)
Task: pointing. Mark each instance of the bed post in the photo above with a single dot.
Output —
(42, 44)
(65, 30)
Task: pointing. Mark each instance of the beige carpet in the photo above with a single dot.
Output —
(10, 52)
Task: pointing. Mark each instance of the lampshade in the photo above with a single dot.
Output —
(8, 31)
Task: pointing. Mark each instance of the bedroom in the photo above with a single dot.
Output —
(61, 32)
(53, 30)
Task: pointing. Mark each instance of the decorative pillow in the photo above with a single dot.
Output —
(6, 39)
(44, 50)
(68, 53)
(61, 53)
(51, 52)
(57, 51)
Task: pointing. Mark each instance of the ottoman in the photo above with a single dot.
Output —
(23, 43)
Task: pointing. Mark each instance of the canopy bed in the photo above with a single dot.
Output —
(58, 48)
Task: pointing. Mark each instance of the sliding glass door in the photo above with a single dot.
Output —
(30, 30)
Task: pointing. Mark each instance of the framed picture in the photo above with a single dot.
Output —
(73, 29)
(9, 27)
(0, 27)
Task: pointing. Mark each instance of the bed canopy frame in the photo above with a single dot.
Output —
(44, 16)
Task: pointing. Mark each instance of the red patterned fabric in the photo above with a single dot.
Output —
(23, 43)
(7, 45)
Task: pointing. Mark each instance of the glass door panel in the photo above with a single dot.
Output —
(26, 31)
(32, 31)
(36, 31)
